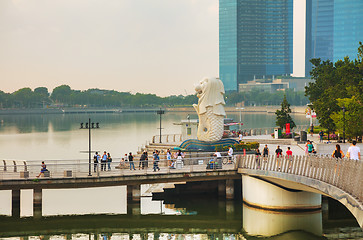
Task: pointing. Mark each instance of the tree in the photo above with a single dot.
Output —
(283, 116)
(343, 79)
(62, 94)
(352, 119)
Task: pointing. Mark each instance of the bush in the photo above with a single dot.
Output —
(240, 146)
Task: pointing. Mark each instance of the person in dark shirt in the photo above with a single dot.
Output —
(131, 161)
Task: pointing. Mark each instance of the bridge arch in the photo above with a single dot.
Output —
(341, 180)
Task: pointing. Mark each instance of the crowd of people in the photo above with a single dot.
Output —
(176, 160)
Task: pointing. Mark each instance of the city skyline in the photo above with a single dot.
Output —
(157, 47)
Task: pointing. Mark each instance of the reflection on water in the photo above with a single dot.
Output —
(57, 136)
(273, 223)
(183, 218)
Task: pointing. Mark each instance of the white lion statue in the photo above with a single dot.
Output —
(210, 109)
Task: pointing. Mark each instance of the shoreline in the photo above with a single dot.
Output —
(257, 109)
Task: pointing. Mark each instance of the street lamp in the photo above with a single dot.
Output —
(89, 125)
(343, 108)
(160, 112)
(240, 117)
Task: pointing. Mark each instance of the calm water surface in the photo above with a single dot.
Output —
(101, 213)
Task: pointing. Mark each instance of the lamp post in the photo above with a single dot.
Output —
(89, 125)
(160, 112)
(240, 117)
(343, 108)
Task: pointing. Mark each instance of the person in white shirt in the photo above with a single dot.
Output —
(240, 137)
(353, 151)
(230, 154)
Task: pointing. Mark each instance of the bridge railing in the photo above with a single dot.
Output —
(343, 173)
(118, 167)
(167, 138)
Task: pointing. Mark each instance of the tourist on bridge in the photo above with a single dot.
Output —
(179, 159)
(131, 161)
(103, 161)
(230, 154)
(258, 155)
(337, 154)
(142, 160)
(289, 156)
(96, 160)
(43, 169)
(109, 160)
(156, 160)
(265, 151)
(353, 151)
(278, 151)
(310, 147)
(218, 160)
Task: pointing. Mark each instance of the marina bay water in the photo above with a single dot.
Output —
(95, 213)
(58, 136)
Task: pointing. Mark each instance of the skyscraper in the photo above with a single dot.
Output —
(255, 40)
(336, 28)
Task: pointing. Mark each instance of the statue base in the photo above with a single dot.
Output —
(196, 145)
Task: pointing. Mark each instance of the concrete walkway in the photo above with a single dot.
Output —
(324, 148)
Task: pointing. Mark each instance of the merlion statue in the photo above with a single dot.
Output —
(210, 109)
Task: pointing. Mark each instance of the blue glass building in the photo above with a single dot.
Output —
(337, 28)
(255, 40)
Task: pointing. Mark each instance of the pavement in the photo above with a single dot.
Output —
(298, 148)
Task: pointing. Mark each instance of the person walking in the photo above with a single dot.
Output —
(156, 160)
(321, 135)
(338, 155)
(278, 152)
(131, 161)
(96, 160)
(103, 161)
(289, 156)
(109, 160)
(312, 130)
(353, 151)
(288, 152)
(258, 155)
(142, 160)
(265, 152)
(179, 159)
(240, 137)
(230, 154)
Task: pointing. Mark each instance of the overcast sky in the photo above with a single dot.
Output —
(149, 46)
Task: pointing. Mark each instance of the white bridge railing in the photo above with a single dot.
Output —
(345, 174)
(200, 162)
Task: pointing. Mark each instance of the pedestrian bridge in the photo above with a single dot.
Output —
(341, 180)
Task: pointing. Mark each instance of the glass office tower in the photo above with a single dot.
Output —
(336, 28)
(255, 40)
(348, 28)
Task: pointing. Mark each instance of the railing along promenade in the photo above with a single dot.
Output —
(66, 169)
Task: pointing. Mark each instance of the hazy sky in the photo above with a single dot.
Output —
(149, 46)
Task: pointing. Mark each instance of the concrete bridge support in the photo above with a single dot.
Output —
(15, 203)
(133, 199)
(263, 194)
(226, 189)
(37, 203)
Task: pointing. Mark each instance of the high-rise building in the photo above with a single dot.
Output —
(255, 40)
(336, 28)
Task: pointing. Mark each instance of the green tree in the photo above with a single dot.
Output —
(283, 116)
(352, 119)
(343, 79)
(62, 94)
